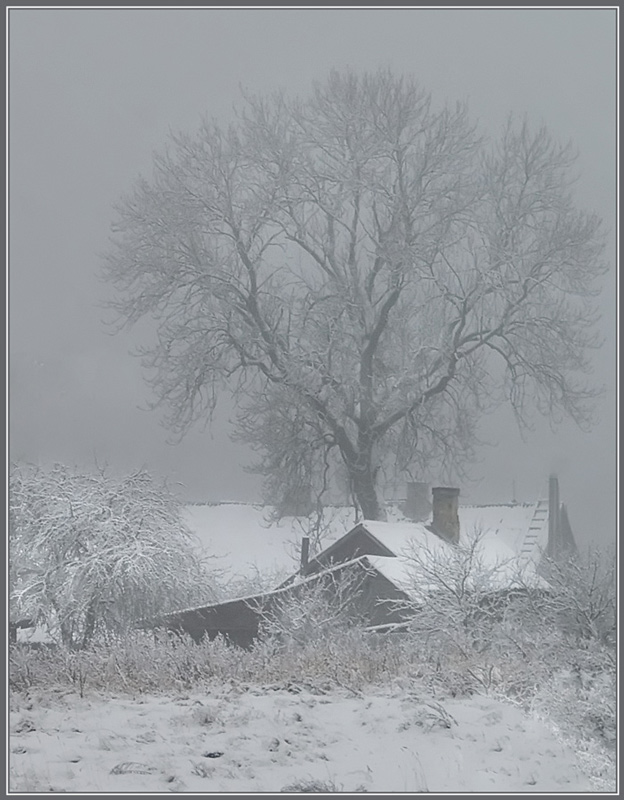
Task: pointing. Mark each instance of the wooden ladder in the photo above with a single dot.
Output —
(540, 516)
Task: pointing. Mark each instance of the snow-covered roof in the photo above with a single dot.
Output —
(509, 524)
(244, 540)
(297, 581)
(400, 536)
(498, 565)
(518, 529)
(396, 570)
(496, 534)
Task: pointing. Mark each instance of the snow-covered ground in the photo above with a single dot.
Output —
(270, 739)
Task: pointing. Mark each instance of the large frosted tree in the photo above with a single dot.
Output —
(365, 274)
(91, 554)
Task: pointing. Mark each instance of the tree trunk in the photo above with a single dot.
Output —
(89, 626)
(363, 484)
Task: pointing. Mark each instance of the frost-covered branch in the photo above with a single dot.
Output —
(372, 261)
(92, 554)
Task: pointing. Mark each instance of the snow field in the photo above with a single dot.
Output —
(269, 739)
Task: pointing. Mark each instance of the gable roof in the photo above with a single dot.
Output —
(357, 541)
(508, 531)
(506, 542)
(246, 541)
(522, 528)
(238, 618)
(400, 556)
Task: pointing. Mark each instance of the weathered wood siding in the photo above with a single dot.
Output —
(374, 601)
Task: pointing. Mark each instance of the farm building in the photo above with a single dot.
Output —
(259, 555)
(380, 560)
(355, 588)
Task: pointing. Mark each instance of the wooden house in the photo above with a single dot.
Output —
(377, 558)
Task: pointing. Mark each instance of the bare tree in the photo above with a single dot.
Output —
(92, 554)
(365, 274)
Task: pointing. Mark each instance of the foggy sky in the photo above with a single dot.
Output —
(94, 92)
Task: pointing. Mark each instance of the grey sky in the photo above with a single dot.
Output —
(93, 92)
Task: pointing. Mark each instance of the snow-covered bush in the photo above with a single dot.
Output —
(583, 597)
(93, 554)
(547, 642)
(581, 707)
(459, 599)
(485, 625)
(315, 610)
(465, 605)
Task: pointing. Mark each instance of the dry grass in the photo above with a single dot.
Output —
(312, 785)
(567, 679)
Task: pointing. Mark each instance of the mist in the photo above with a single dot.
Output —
(94, 92)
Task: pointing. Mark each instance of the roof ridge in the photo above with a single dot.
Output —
(523, 504)
(225, 503)
(259, 504)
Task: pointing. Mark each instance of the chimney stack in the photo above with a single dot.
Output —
(445, 521)
(305, 554)
(417, 505)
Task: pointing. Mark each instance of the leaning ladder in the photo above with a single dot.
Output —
(536, 526)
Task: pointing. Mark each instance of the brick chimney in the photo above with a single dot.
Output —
(305, 554)
(417, 506)
(445, 521)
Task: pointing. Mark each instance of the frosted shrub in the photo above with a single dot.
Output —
(144, 663)
(461, 620)
(581, 706)
(583, 600)
(469, 635)
(92, 554)
(315, 610)
(582, 702)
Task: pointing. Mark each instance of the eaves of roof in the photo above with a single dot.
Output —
(261, 598)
